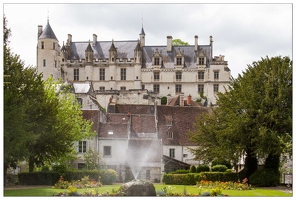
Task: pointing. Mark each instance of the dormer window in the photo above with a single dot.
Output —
(169, 120)
(201, 61)
(179, 61)
(170, 134)
(156, 61)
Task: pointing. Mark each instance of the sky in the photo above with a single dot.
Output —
(242, 32)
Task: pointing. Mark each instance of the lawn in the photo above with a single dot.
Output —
(48, 191)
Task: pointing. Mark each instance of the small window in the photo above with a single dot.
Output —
(122, 88)
(178, 88)
(201, 75)
(102, 89)
(122, 74)
(102, 74)
(55, 64)
(53, 46)
(185, 155)
(44, 63)
(143, 87)
(79, 100)
(216, 87)
(201, 61)
(156, 88)
(178, 76)
(179, 61)
(200, 88)
(148, 174)
(170, 134)
(172, 153)
(107, 150)
(156, 76)
(216, 75)
(110, 132)
(76, 74)
(82, 147)
(42, 45)
(156, 61)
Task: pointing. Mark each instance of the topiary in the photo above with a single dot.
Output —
(192, 169)
(202, 168)
(219, 168)
(264, 178)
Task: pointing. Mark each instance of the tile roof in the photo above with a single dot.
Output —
(93, 116)
(47, 33)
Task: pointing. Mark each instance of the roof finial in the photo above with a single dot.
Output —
(142, 20)
(47, 16)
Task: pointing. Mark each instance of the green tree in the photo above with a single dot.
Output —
(92, 160)
(16, 136)
(178, 42)
(254, 117)
(64, 124)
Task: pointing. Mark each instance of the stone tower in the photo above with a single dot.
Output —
(48, 53)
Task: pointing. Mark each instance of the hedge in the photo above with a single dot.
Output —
(193, 178)
(107, 177)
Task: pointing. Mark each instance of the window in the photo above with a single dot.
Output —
(102, 89)
(42, 45)
(82, 147)
(44, 63)
(156, 88)
(178, 76)
(80, 101)
(55, 64)
(53, 46)
(201, 75)
(102, 74)
(122, 74)
(178, 88)
(107, 150)
(143, 87)
(172, 153)
(122, 88)
(201, 61)
(76, 74)
(156, 61)
(216, 75)
(216, 87)
(185, 155)
(156, 76)
(147, 174)
(200, 88)
(179, 61)
(170, 134)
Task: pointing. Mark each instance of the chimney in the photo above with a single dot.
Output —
(94, 39)
(195, 43)
(69, 39)
(39, 30)
(189, 101)
(169, 43)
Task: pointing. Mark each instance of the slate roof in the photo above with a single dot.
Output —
(190, 57)
(47, 32)
(125, 49)
(117, 123)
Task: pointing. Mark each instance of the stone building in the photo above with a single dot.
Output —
(126, 65)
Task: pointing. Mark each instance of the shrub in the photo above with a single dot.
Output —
(192, 169)
(202, 168)
(163, 100)
(221, 162)
(219, 168)
(180, 171)
(264, 178)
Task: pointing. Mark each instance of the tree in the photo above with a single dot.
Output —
(178, 42)
(253, 117)
(92, 160)
(64, 124)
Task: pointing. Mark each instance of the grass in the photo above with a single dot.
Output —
(48, 191)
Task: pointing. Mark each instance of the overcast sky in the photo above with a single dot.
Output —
(243, 33)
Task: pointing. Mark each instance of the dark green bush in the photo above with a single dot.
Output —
(179, 179)
(264, 178)
(219, 168)
(163, 100)
(192, 169)
(202, 168)
(221, 162)
(219, 176)
(38, 178)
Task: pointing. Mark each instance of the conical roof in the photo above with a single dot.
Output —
(47, 33)
(142, 31)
